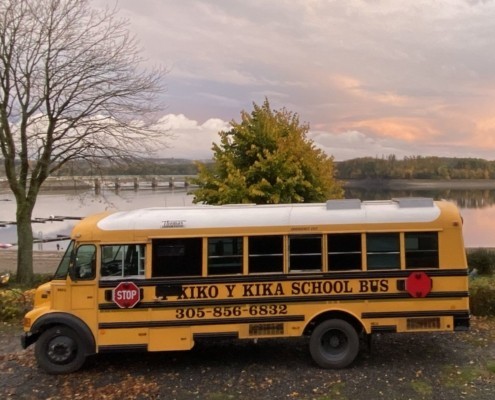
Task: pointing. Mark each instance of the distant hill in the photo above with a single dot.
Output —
(416, 167)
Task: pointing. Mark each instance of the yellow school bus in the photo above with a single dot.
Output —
(158, 279)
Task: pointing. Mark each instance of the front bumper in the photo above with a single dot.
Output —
(27, 339)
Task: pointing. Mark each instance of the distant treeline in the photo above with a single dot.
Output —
(416, 167)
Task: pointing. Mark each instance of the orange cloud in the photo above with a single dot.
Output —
(355, 87)
(346, 83)
(408, 129)
(428, 119)
(486, 125)
(484, 134)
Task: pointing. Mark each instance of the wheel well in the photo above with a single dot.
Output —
(334, 314)
(48, 321)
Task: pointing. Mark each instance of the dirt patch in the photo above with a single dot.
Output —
(9, 338)
(399, 366)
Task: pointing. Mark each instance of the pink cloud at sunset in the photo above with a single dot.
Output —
(412, 78)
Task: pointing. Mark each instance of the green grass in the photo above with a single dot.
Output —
(220, 396)
(481, 259)
(461, 377)
(490, 366)
(482, 295)
(335, 392)
(422, 387)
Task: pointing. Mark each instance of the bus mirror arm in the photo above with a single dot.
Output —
(72, 268)
(72, 273)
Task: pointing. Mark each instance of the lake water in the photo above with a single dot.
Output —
(477, 208)
(81, 204)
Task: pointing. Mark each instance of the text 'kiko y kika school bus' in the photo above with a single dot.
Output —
(160, 279)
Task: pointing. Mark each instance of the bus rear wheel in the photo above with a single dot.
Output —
(334, 344)
(59, 350)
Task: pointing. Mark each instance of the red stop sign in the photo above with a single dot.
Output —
(126, 294)
(418, 284)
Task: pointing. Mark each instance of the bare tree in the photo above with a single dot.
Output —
(73, 87)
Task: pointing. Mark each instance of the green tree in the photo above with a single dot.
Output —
(267, 159)
(71, 88)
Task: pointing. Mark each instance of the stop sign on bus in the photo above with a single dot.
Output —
(126, 294)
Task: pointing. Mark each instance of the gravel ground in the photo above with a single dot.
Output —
(400, 366)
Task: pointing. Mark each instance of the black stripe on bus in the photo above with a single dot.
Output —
(415, 314)
(199, 280)
(384, 329)
(123, 348)
(196, 322)
(215, 335)
(281, 299)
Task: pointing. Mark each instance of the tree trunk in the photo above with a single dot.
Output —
(25, 246)
(70, 77)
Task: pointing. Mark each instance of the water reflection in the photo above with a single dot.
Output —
(464, 198)
(477, 207)
(75, 203)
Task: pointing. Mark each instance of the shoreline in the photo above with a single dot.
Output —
(420, 184)
(44, 262)
(81, 184)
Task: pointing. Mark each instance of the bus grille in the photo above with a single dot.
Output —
(266, 329)
(415, 324)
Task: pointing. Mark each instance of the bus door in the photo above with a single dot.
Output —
(82, 291)
(123, 318)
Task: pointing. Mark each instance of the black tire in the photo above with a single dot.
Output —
(334, 344)
(59, 350)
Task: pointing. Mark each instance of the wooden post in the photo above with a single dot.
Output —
(136, 184)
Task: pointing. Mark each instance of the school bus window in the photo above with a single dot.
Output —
(118, 261)
(344, 252)
(421, 249)
(224, 255)
(176, 257)
(266, 254)
(383, 251)
(305, 253)
(85, 262)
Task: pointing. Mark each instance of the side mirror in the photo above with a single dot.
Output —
(4, 278)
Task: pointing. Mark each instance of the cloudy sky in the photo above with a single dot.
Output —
(371, 77)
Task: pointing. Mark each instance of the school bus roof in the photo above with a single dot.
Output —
(334, 212)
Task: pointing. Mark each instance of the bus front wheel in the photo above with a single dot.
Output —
(59, 350)
(334, 344)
